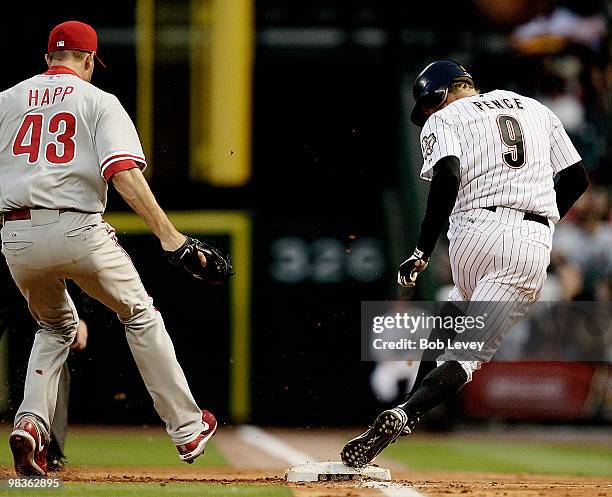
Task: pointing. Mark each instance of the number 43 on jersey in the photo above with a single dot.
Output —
(59, 149)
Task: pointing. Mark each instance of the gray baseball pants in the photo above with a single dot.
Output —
(44, 251)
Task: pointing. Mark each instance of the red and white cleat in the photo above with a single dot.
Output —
(28, 443)
(189, 451)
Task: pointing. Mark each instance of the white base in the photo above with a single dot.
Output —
(325, 471)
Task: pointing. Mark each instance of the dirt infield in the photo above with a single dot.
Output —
(258, 458)
(431, 484)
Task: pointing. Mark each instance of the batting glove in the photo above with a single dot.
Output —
(411, 267)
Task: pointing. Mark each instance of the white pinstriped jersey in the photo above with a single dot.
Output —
(509, 147)
(58, 136)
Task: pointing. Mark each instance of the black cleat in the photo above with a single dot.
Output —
(409, 426)
(363, 449)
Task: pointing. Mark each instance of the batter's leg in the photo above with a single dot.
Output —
(110, 277)
(432, 386)
(428, 360)
(437, 381)
(502, 296)
(453, 370)
(439, 385)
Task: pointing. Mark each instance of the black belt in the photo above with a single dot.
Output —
(527, 216)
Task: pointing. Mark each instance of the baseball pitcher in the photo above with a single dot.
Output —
(61, 141)
(491, 159)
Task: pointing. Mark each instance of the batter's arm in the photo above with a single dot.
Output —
(572, 182)
(135, 190)
(440, 202)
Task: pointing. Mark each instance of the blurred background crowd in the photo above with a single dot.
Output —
(283, 128)
(558, 52)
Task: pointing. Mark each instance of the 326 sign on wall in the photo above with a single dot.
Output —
(326, 260)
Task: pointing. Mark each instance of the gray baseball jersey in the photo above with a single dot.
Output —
(61, 139)
(509, 148)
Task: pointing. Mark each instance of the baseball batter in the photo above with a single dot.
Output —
(61, 141)
(491, 159)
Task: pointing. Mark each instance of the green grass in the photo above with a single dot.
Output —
(150, 490)
(503, 456)
(139, 447)
(123, 448)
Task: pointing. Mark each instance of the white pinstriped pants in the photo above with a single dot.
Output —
(497, 257)
(42, 253)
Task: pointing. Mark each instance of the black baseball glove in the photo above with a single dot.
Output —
(218, 268)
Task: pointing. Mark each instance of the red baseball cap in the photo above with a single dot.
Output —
(74, 35)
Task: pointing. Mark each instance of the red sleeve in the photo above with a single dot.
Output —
(115, 167)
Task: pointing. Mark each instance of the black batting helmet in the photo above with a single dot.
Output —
(431, 86)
